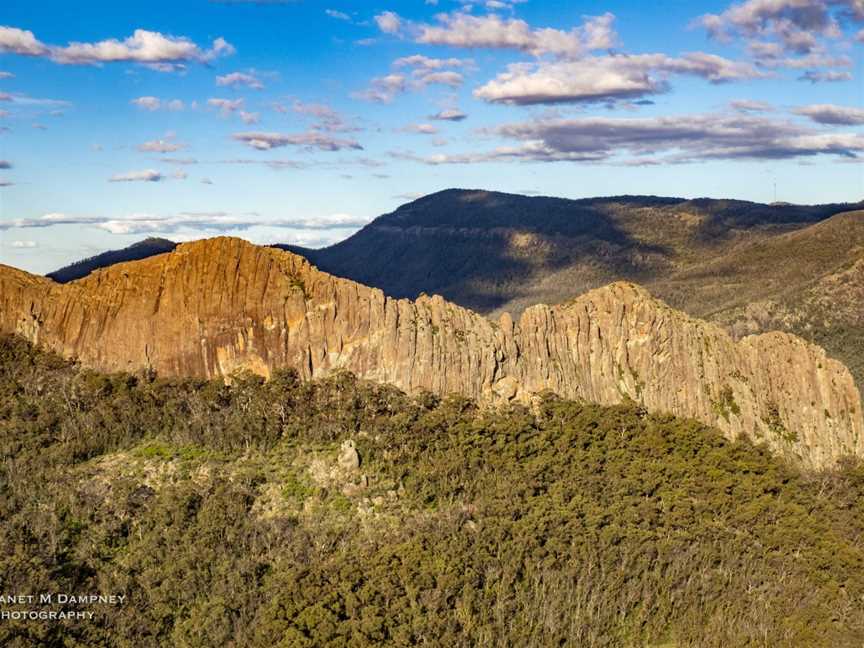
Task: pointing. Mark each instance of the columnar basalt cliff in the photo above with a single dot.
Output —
(218, 306)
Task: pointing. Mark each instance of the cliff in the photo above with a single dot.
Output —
(213, 307)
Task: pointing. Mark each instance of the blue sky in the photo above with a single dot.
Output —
(300, 121)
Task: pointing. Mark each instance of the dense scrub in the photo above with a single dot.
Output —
(221, 513)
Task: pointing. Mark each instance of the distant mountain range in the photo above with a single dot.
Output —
(141, 250)
(748, 266)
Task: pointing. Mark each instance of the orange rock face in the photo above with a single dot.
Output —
(218, 306)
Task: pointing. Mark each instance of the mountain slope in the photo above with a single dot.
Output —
(493, 252)
(140, 250)
(218, 306)
(237, 515)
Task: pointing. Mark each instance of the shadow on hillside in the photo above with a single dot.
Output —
(479, 248)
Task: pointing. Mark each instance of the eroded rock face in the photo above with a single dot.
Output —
(217, 306)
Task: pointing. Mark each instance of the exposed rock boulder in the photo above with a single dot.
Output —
(217, 306)
(349, 459)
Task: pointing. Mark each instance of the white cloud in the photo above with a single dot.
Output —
(143, 46)
(240, 79)
(313, 140)
(249, 117)
(812, 60)
(420, 129)
(154, 103)
(794, 25)
(657, 140)
(226, 106)
(388, 22)
(825, 76)
(183, 161)
(147, 175)
(448, 78)
(411, 195)
(461, 29)
(684, 137)
(383, 89)
(414, 73)
(606, 78)
(326, 118)
(24, 244)
(599, 33)
(19, 41)
(143, 223)
(832, 115)
(338, 15)
(420, 62)
(160, 146)
(449, 114)
(750, 106)
(6, 75)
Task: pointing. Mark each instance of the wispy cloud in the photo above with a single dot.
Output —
(264, 141)
(325, 117)
(449, 114)
(832, 115)
(235, 79)
(167, 145)
(656, 140)
(414, 73)
(338, 15)
(750, 106)
(182, 161)
(147, 175)
(825, 76)
(154, 103)
(226, 106)
(249, 117)
(188, 221)
(420, 129)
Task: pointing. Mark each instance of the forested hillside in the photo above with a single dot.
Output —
(342, 513)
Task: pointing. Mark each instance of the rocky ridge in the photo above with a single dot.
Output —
(214, 307)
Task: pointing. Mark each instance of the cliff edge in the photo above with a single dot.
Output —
(217, 306)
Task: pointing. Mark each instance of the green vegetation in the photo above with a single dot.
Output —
(775, 424)
(726, 404)
(297, 283)
(223, 514)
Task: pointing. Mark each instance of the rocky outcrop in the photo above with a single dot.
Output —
(214, 307)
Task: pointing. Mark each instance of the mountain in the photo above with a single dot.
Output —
(495, 252)
(215, 307)
(140, 250)
(749, 267)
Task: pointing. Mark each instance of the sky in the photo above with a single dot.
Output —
(300, 121)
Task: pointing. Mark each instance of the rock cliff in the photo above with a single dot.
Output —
(217, 306)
